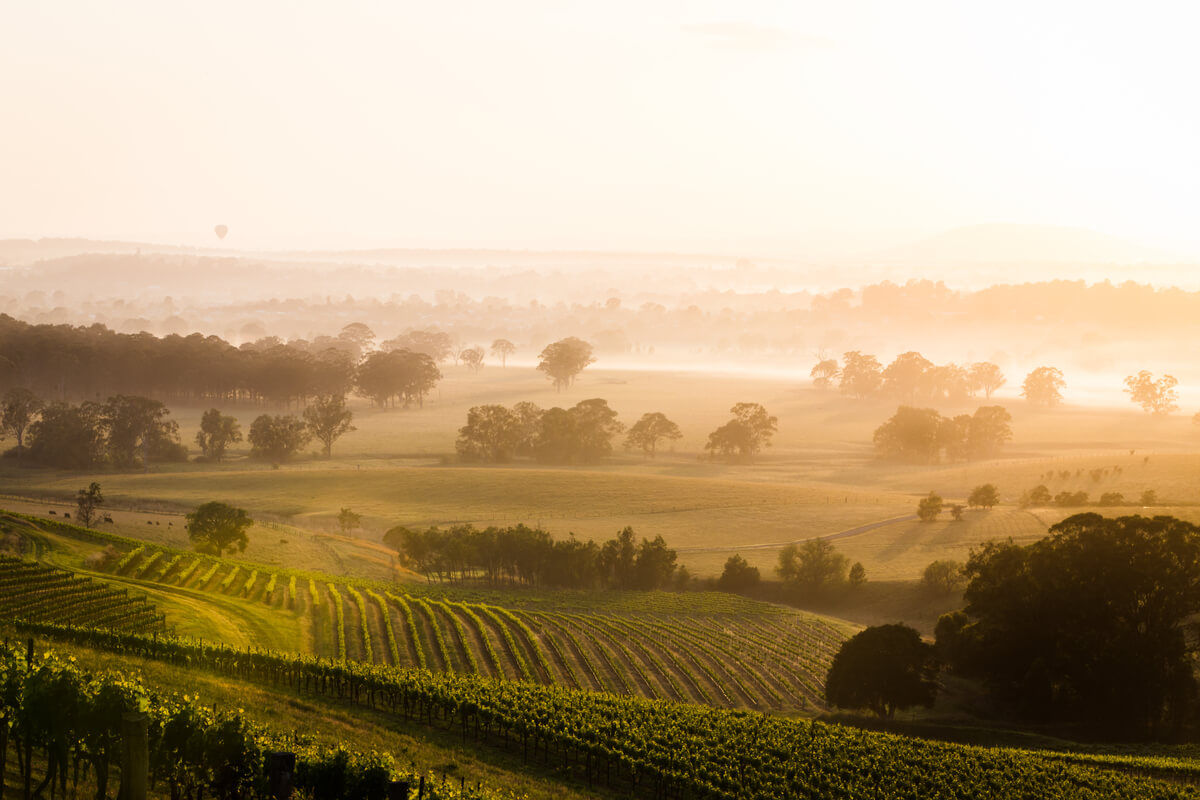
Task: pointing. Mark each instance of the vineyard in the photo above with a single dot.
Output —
(716, 649)
(44, 594)
(671, 750)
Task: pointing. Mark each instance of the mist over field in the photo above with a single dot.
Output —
(501, 400)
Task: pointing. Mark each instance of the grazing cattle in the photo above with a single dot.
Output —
(149, 522)
(66, 515)
(53, 513)
(107, 518)
(170, 524)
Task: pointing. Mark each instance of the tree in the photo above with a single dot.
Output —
(277, 438)
(986, 376)
(988, 430)
(18, 410)
(861, 374)
(86, 502)
(813, 568)
(943, 577)
(348, 521)
(929, 507)
(1090, 623)
(1149, 498)
(565, 359)
(1037, 496)
(738, 576)
(857, 576)
(138, 426)
(1156, 397)
(745, 435)
(472, 358)
(824, 373)
(216, 527)
(912, 434)
(983, 496)
(883, 668)
(503, 348)
(649, 430)
(68, 437)
(358, 336)
(328, 419)
(492, 433)
(217, 432)
(1043, 387)
(908, 377)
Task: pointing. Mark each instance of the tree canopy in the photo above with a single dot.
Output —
(563, 360)
(216, 527)
(648, 431)
(738, 576)
(1043, 387)
(217, 432)
(328, 419)
(745, 435)
(1087, 624)
(503, 348)
(19, 408)
(277, 437)
(812, 568)
(883, 668)
(1157, 397)
(922, 435)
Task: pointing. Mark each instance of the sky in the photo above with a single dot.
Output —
(778, 128)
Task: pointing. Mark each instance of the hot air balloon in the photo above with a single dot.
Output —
(221, 230)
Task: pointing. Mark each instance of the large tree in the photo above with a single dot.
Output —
(503, 348)
(217, 432)
(492, 433)
(908, 377)
(986, 376)
(745, 435)
(328, 419)
(565, 359)
(18, 410)
(1043, 387)
(1156, 397)
(472, 358)
(812, 568)
(648, 431)
(277, 438)
(68, 437)
(912, 434)
(583, 433)
(86, 502)
(861, 374)
(138, 428)
(824, 373)
(883, 668)
(217, 527)
(1090, 623)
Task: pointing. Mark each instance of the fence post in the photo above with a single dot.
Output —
(280, 768)
(135, 756)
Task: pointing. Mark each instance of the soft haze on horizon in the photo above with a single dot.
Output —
(772, 128)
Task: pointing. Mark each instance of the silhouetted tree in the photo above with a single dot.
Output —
(503, 348)
(929, 507)
(472, 358)
(86, 502)
(277, 438)
(986, 376)
(216, 433)
(824, 373)
(861, 374)
(984, 496)
(492, 433)
(68, 437)
(943, 577)
(883, 668)
(217, 527)
(328, 419)
(738, 576)
(648, 431)
(1156, 397)
(18, 410)
(580, 434)
(138, 426)
(348, 521)
(912, 434)
(1043, 387)
(745, 435)
(812, 568)
(565, 359)
(908, 377)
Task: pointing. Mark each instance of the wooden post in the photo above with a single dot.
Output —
(135, 757)
(280, 768)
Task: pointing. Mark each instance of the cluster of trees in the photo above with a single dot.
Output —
(585, 433)
(1040, 497)
(1090, 624)
(984, 496)
(128, 431)
(910, 378)
(524, 555)
(922, 435)
(814, 569)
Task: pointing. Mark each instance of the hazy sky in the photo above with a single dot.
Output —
(750, 126)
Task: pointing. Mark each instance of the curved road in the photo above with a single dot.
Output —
(870, 526)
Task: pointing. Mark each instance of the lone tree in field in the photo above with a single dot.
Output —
(472, 358)
(348, 521)
(738, 576)
(217, 432)
(503, 348)
(18, 410)
(1156, 397)
(812, 568)
(1043, 387)
(327, 419)
(929, 507)
(984, 496)
(86, 503)
(883, 668)
(277, 438)
(217, 527)
(564, 359)
(745, 435)
(648, 431)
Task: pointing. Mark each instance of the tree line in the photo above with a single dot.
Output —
(585, 432)
(531, 556)
(922, 435)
